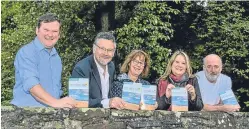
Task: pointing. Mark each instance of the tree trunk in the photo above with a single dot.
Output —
(105, 16)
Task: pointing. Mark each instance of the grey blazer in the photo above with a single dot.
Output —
(87, 68)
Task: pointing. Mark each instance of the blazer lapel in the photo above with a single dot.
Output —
(110, 71)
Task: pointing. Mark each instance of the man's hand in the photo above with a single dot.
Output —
(220, 107)
(44, 97)
(191, 91)
(168, 90)
(117, 103)
(81, 104)
(230, 108)
(66, 102)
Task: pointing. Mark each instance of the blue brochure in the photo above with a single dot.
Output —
(179, 99)
(149, 94)
(132, 92)
(228, 98)
(79, 88)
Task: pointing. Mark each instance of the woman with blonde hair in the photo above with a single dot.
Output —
(135, 67)
(178, 73)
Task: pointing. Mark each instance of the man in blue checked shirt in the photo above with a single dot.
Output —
(38, 69)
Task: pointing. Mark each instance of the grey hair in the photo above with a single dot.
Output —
(204, 59)
(105, 35)
(46, 18)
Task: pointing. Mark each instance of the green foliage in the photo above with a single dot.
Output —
(18, 29)
(158, 28)
(224, 31)
(149, 29)
(15, 32)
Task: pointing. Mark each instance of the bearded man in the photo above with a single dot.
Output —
(212, 82)
(100, 71)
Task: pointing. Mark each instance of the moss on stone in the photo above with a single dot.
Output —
(34, 109)
(7, 108)
(92, 109)
(111, 118)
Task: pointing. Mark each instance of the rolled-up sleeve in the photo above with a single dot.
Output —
(28, 70)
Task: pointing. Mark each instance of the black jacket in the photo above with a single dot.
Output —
(87, 68)
(196, 105)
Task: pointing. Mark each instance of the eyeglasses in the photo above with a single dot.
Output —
(136, 62)
(105, 50)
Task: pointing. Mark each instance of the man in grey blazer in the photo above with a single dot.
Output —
(100, 70)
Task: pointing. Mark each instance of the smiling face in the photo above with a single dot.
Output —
(104, 51)
(48, 33)
(137, 66)
(179, 65)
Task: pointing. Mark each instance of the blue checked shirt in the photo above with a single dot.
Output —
(34, 64)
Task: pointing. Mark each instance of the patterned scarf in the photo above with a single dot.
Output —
(176, 81)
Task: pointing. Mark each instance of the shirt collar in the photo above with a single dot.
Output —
(40, 46)
(53, 51)
(100, 69)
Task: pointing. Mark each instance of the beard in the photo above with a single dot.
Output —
(103, 61)
(212, 77)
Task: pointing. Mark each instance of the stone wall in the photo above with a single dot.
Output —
(89, 118)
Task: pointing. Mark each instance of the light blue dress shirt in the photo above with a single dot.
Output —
(34, 64)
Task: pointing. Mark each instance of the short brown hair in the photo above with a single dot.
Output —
(134, 54)
(46, 18)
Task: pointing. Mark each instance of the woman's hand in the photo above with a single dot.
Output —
(168, 90)
(148, 107)
(191, 91)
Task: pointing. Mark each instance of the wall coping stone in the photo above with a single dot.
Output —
(99, 118)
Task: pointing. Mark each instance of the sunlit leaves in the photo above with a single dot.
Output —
(18, 22)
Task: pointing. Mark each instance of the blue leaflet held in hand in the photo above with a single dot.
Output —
(132, 92)
(149, 94)
(79, 88)
(179, 99)
(228, 98)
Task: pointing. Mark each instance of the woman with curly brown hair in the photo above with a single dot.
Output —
(135, 67)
